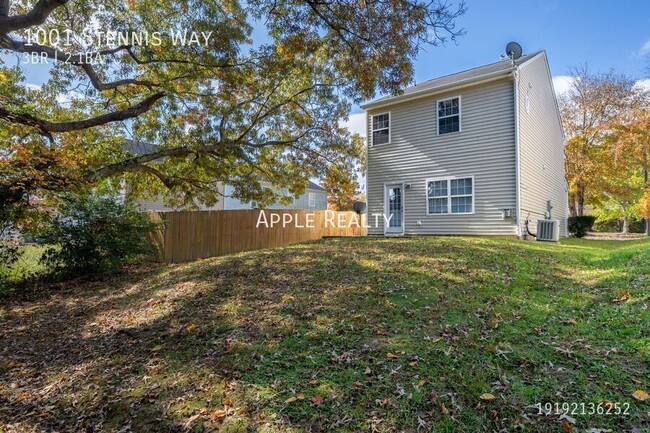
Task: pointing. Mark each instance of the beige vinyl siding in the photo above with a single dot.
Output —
(541, 146)
(485, 149)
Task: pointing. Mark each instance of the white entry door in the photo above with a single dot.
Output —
(394, 209)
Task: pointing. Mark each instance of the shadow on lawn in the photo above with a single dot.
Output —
(175, 348)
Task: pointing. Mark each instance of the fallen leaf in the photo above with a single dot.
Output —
(291, 399)
(568, 428)
(219, 414)
(567, 418)
(190, 327)
(558, 274)
(444, 409)
(640, 395)
(573, 322)
(367, 370)
(317, 400)
(487, 396)
(300, 396)
(391, 356)
(227, 402)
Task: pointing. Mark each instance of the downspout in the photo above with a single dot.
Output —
(515, 75)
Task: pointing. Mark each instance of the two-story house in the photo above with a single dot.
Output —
(472, 153)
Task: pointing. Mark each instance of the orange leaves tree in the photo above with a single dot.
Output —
(592, 106)
(241, 106)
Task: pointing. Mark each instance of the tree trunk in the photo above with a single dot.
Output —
(581, 199)
(626, 225)
(647, 226)
(572, 204)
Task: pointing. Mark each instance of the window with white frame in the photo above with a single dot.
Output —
(254, 204)
(449, 115)
(450, 196)
(312, 199)
(381, 128)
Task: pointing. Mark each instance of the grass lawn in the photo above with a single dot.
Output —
(28, 263)
(344, 335)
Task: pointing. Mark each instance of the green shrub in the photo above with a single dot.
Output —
(615, 225)
(92, 234)
(580, 225)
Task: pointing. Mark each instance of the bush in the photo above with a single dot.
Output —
(92, 234)
(580, 225)
(10, 251)
(615, 225)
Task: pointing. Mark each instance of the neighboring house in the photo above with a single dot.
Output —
(314, 197)
(470, 153)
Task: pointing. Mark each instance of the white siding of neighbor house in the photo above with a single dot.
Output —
(301, 202)
(156, 204)
(541, 146)
(484, 149)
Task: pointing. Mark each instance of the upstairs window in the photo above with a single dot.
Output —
(381, 129)
(449, 115)
(312, 199)
(450, 196)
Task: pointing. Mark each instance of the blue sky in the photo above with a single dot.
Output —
(602, 34)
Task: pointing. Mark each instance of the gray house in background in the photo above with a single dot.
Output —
(471, 153)
(314, 198)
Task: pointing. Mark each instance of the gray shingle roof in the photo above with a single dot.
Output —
(315, 186)
(448, 81)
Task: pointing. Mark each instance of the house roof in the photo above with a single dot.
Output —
(315, 186)
(448, 82)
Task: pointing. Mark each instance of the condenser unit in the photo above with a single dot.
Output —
(548, 230)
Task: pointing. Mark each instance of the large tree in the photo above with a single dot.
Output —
(593, 105)
(261, 96)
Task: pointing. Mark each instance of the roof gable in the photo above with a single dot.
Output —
(448, 82)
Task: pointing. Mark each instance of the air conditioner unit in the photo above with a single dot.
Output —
(548, 230)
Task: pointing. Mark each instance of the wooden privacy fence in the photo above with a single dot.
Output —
(190, 235)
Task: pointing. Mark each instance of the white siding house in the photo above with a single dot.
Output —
(469, 153)
(314, 198)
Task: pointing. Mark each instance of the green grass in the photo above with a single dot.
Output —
(340, 335)
(27, 265)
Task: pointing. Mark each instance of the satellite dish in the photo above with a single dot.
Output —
(513, 50)
(359, 207)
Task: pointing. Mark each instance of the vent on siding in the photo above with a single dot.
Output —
(547, 230)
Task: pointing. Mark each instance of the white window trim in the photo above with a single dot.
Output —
(311, 199)
(390, 126)
(449, 196)
(460, 115)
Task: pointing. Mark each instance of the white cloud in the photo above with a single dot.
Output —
(645, 49)
(356, 123)
(643, 84)
(562, 83)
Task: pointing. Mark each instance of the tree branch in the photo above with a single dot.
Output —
(34, 17)
(47, 128)
(77, 60)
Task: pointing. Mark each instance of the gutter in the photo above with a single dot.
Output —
(515, 75)
(427, 92)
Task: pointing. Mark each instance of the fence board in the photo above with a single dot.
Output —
(190, 235)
